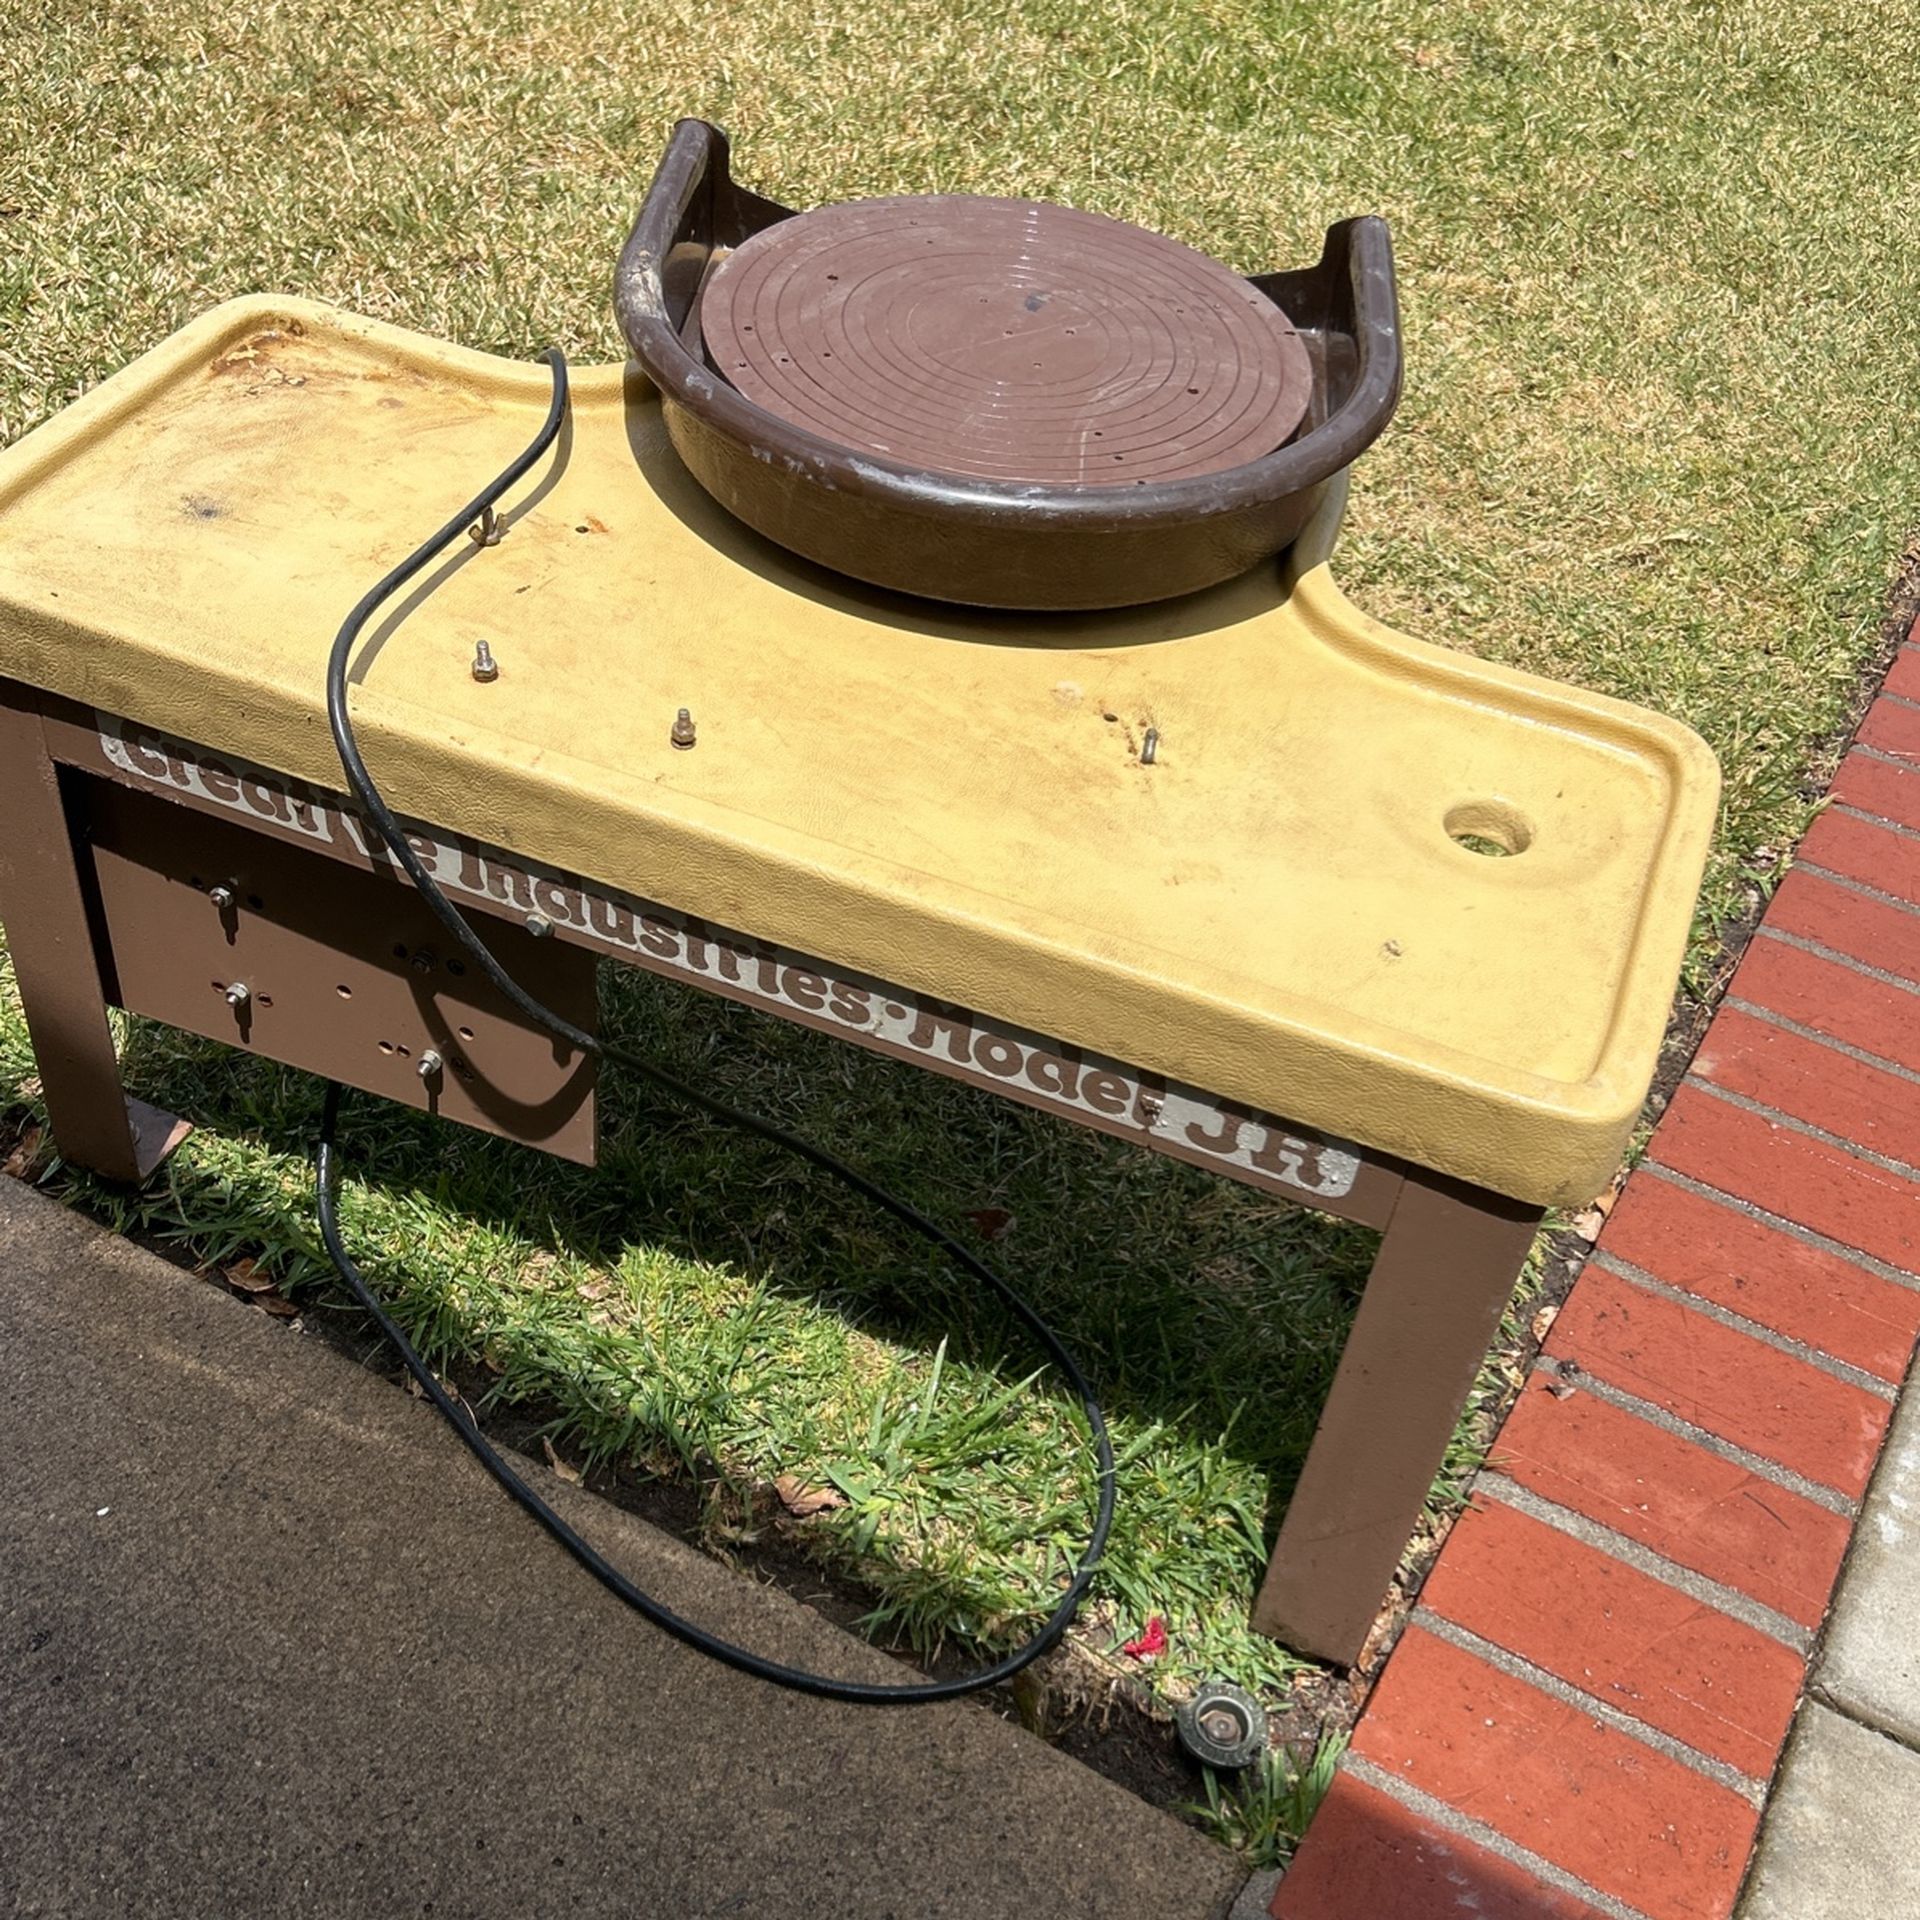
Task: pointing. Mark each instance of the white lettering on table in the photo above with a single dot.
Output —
(1048, 1073)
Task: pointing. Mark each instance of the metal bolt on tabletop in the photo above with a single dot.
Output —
(430, 1064)
(539, 925)
(682, 734)
(1149, 746)
(222, 896)
(488, 530)
(485, 667)
(239, 994)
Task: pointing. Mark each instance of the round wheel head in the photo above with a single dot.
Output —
(1005, 340)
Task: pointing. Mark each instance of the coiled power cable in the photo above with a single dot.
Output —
(367, 794)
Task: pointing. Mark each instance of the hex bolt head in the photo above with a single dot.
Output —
(222, 896)
(485, 666)
(430, 1065)
(682, 734)
(539, 925)
(239, 994)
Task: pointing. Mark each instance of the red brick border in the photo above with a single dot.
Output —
(1584, 1714)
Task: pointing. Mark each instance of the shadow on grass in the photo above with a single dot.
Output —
(1208, 1316)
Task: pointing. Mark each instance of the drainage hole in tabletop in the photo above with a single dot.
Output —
(1489, 828)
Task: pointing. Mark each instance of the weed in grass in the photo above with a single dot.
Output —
(1262, 1813)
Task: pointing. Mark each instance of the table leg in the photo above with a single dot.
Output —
(57, 965)
(1444, 1272)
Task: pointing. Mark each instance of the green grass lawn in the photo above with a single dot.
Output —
(1662, 306)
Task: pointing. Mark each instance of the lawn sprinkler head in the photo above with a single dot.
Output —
(1222, 1726)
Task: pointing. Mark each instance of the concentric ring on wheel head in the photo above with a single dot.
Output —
(1005, 340)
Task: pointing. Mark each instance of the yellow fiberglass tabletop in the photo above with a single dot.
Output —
(1280, 909)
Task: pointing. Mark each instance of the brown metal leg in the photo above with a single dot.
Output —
(1445, 1270)
(94, 1123)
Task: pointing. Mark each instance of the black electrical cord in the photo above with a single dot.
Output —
(361, 782)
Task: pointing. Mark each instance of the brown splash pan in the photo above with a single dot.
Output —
(972, 539)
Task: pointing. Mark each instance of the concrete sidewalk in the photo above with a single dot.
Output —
(270, 1643)
(1841, 1840)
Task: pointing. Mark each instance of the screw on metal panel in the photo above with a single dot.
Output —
(1149, 746)
(682, 734)
(485, 666)
(430, 1064)
(239, 994)
(422, 961)
(539, 925)
(222, 896)
(489, 530)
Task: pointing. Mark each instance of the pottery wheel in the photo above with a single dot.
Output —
(1005, 340)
